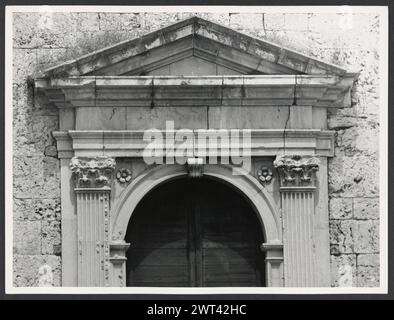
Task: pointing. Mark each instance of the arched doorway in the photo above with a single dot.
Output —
(194, 233)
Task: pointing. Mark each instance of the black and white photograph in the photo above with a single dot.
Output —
(196, 149)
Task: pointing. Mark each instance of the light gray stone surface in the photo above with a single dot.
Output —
(42, 40)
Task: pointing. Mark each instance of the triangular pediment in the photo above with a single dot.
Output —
(193, 47)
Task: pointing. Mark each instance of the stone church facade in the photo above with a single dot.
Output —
(88, 207)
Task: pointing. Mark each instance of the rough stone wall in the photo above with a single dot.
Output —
(41, 40)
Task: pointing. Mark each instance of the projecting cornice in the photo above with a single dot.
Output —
(160, 91)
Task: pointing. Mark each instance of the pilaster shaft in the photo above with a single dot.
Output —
(118, 259)
(93, 187)
(273, 264)
(298, 205)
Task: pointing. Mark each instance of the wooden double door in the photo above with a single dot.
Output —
(194, 233)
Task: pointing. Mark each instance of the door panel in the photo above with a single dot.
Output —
(158, 254)
(194, 232)
(228, 239)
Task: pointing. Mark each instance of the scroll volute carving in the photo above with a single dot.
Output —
(92, 172)
(295, 170)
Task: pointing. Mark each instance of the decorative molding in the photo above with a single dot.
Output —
(118, 259)
(118, 250)
(259, 197)
(123, 175)
(271, 246)
(130, 143)
(195, 167)
(264, 175)
(274, 263)
(93, 173)
(295, 170)
(246, 90)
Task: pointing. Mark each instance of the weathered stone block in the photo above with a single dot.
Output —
(51, 178)
(221, 18)
(274, 21)
(119, 21)
(361, 139)
(252, 22)
(88, 21)
(44, 177)
(42, 129)
(26, 268)
(338, 122)
(30, 103)
(343, 270)
(368, 270)
(51, 236)
(296, 21)
(366, 208)
(341, 208)
(295, 40)
(24, 210)
(361, 30)
(47, 209)
(366, 236)
(153, 21)
(323, 22)
(348, 177)
(341, 236)
(27, 237)
(49, 57)
(82, 43)
(24, 64)
(23, 141)
(45, 29)
(24, 167)
(342, 30)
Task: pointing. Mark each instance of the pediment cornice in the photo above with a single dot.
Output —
(200, 38)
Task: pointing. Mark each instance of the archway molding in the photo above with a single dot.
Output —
(255, 193)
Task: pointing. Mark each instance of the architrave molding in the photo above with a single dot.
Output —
(130, 143)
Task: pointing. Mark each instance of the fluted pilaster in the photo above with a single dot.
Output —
(298, 205)
(92, 187)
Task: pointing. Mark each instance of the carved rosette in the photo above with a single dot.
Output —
(92, 172)
(123, 175)
(195, 167)
(295, 170)
(265, 175)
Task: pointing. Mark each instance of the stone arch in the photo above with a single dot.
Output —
(255, 193)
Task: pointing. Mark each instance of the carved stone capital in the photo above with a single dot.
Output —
(92, 172)
(295, 170)
(118, 251)
(195, 167)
